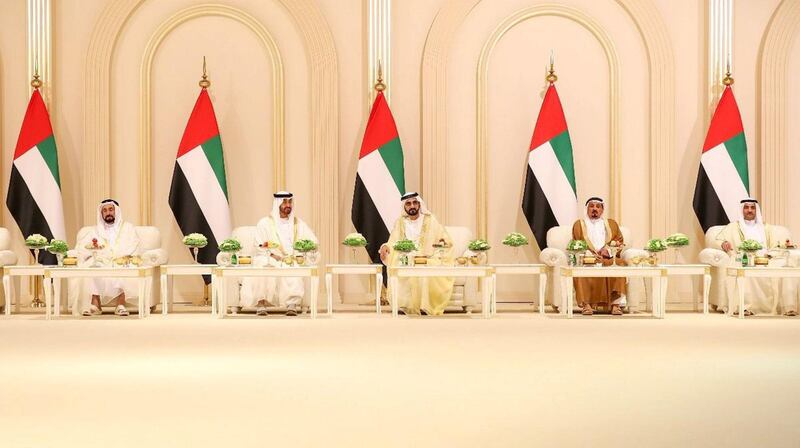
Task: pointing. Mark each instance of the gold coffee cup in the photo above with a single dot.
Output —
(245, 260)
(462, 260)
(589, 259)
(761, 261)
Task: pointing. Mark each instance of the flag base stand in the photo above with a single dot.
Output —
(37, 302)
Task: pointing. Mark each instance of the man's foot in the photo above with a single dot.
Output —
(587, 310)
(93, 310)
(401, 311)
(291, 311)
(790, 313)
(121, 311)
(423, 312)
(616, 310)
(261, 310)
(153, 309)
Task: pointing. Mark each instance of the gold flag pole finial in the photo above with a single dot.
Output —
(728, 79)
(551, 74)
(380, 86)
(204, 82)
(36, 82)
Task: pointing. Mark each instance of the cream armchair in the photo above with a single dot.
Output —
(149, 250)
(555, 256)
(7, 258)
(719, 260)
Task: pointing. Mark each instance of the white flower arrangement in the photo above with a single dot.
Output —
(36, 241)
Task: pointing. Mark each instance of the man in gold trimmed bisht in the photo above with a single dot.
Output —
(276, 233)
(599, 233)
(762, 295)
(417, 224)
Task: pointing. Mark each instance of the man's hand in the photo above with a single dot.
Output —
(604, 252)
(276, 257)
(727, 247)
(384, 251)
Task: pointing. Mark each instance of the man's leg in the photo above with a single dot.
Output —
(290, 292)
(261, 307)
(121, 310)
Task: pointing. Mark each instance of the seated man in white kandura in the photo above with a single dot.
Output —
(417, 223)
(279, 230)
(112, 238)
(762, 295)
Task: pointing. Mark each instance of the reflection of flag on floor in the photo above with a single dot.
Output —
(34, 191)
(722, 181)
(549, 198)
(199, 193)
(380, 180)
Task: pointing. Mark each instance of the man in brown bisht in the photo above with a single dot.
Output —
(600, 234)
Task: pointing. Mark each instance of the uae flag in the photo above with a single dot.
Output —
(34, 191)
(380, 180)
(722, 181)
(199, 193)
(549, 198)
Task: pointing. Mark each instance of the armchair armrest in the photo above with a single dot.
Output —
(155, 257)
(553, 257)
(7, 258)
(714, 257)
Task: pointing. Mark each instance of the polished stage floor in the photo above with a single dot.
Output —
(519, 379)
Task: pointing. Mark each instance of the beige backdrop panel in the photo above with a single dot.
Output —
(793, 138)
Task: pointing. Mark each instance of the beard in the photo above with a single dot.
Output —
(412, 212)
(286, 211)
(109, 219)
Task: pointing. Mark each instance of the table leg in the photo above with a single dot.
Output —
(663, 306)
(314, 295)
(706, 291)
(393, 295)
(222, 298)
(564, 293)
(7, 293)
(214, 296)
(486, 294)
(164, 294)
(542, 291)
(329, 290)
(48, 300)
(656, 286)
(740, 291)
(570, 297)
(142, 281)
(493, 300)
(378, 287)
(56, 294)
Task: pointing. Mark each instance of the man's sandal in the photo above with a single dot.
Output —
(121, 311)
(616, 310)
(587, 311)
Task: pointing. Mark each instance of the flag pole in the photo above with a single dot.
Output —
(204, 81)
(36, 82)
(380, 86)
(728, 79)
(551, 74)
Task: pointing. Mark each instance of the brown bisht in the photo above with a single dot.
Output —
(604, 290)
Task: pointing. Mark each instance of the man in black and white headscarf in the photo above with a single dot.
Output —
(763, 295)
